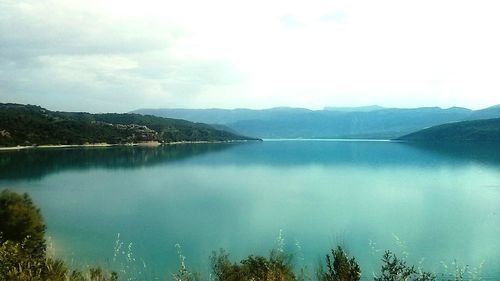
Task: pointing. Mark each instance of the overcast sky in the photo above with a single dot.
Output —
(118, 55)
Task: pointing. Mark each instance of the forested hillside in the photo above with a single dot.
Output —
(487, 130)
(34, 125)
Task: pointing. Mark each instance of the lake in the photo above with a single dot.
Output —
(432, 204)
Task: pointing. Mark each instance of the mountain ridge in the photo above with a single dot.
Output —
(282, 122)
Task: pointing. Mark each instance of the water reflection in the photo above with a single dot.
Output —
(485, 152)
(37, 163)
(332, 153)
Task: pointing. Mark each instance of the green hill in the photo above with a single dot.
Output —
(487, 130)
(34, 125)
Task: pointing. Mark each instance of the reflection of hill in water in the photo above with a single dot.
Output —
(483, 152)
(356, 154)
(37, 163)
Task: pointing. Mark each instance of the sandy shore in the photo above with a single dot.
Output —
(195, 142)
(142, 144)
(77, 145)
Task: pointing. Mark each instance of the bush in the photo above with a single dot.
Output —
(21, 222)
(23, 247)
(275, 268)
(339, 267)
(394, 269)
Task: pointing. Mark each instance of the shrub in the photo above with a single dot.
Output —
(184, 274)
(394, 269)
(339, 267)
(23, 247)
(275, 268)
(21, 222)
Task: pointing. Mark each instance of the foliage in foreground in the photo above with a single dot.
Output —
(276, 267)
(21, 222)
(394, 269)
(23, 257)
(339, 267)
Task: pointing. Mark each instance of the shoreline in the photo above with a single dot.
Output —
(99, 145)
(330, 140)
(22, 147)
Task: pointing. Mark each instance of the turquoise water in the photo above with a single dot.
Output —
(431, 204)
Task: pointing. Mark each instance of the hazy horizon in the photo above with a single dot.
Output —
(118, 56)
(340, 108)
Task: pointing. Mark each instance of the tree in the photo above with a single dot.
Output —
(22, 245)
(340, 267)
(22, 222)
(394, 269)
(276, 267)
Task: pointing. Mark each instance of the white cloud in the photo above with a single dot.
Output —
(115, 55)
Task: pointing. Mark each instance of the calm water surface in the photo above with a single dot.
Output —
(432, 204)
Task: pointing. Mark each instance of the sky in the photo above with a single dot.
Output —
(120, 55)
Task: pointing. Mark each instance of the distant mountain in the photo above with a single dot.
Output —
(487, 113)
(385, 123)
(485, 130)
(355, 109)
(34, 125)
(222, 116)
